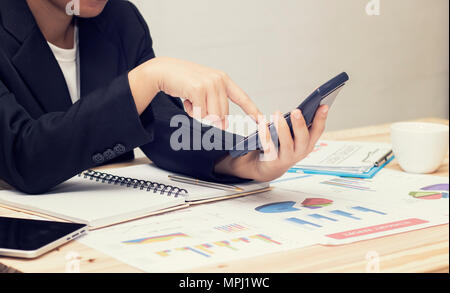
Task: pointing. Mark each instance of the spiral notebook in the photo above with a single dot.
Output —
(101, 199)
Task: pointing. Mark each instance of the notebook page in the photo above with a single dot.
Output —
(94, 203)
(195, 192)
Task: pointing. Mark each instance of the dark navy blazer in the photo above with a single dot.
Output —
(45, 139)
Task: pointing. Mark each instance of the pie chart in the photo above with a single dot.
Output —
(288, 206)
(431, 192)
(316, 203)
(277, 207)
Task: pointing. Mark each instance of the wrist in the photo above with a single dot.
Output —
(144, 85)
(239, 167)
(153, 72)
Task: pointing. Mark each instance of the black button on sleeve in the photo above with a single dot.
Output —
(109, 154)
(119, 149)
(98, 158)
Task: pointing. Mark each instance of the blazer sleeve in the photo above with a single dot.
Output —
(193, 161)
(38, 154)
(156, 118)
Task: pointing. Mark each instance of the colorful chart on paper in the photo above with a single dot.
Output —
(153, 239)
(431, 192)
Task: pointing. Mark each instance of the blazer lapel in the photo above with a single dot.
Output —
(99, 55)
(41, 72)
(99, 52)
(34, 59)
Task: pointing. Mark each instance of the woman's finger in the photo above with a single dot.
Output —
(188, 107)
(224, 103)
(198, 100)
(270, 152)
(240, 98)
(286, 149)
(225, 123)
(213, 103)
(301, 133)
(318, 125)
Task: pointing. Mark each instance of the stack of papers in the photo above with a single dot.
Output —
(346, 158)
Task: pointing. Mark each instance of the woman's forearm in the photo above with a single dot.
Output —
(144, 84)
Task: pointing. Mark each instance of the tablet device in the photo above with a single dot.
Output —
(27, 238)
(324, 95)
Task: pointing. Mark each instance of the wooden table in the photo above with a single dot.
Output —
(425, 250)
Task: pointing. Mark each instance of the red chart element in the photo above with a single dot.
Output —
(377, 228)
(428, 195)
(316, 202)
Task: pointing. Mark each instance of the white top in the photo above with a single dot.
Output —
(69, 63)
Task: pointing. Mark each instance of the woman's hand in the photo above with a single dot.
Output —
(200, 86)
(272, 164)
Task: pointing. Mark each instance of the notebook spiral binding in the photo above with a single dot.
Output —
(134, 183)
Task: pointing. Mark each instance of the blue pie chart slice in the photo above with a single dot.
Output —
(277, 207)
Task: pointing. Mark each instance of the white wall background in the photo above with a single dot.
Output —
(278, 51)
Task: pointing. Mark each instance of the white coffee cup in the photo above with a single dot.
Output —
(419, 147)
